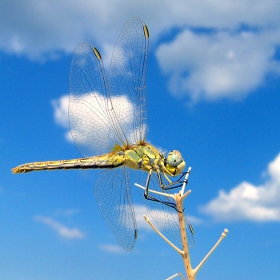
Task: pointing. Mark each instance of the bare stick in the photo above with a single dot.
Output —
(186, 194)
(162, 236)
(152, 191)
(186, 256)
(186, 179)
(175, 275)
(223, 235)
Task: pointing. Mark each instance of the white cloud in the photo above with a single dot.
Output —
(60, 107)
(140, 210)
(116, 249)
(249, 202)
(223, 64)
(226, 63)
(66, 212)
(91, 124)
(60, 229)
(44, 28)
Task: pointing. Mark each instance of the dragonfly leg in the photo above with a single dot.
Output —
(173, 185)
(147, 183)
(152, 198)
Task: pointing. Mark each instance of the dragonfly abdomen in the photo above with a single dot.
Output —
(102, 161)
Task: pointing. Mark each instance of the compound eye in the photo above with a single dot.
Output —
(174, 158)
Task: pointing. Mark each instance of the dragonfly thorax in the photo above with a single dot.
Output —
(174, 162)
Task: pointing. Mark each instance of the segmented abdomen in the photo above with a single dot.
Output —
(102, 161)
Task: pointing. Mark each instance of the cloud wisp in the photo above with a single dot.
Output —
(115, 249)
(249, 202)
(62, 230)
(60, 107)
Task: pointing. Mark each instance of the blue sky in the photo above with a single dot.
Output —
(213, 93)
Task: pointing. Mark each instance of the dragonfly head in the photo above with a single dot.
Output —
(174, 162)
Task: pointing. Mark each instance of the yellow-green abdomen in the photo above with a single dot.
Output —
(102, 161)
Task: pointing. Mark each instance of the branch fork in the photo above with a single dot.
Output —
(184, 252)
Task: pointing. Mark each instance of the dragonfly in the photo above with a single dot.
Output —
(108, 121)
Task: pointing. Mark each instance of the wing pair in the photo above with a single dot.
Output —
(105, 111)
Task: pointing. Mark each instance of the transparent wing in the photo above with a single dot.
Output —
(127, 79)
(113, 194)
(90, 121)
(164, 216)
(101, 117)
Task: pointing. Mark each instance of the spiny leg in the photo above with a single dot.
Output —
(173, 185)
(152, 198)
